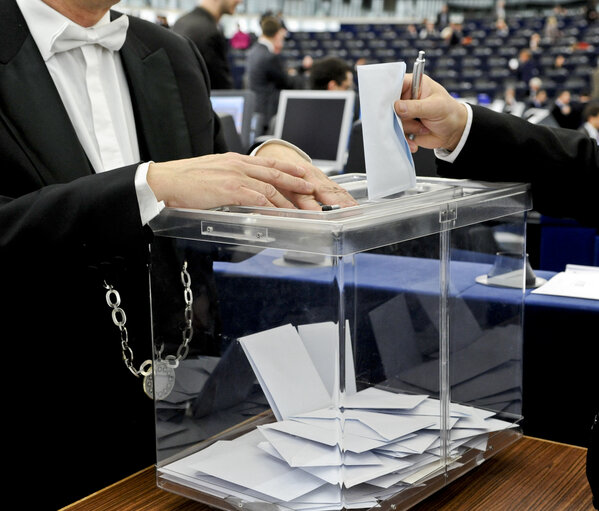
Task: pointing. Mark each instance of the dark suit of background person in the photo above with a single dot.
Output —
(266, 72)
(77, 419)
(562, 166)
(202, 28)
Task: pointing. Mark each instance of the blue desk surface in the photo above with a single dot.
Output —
(393, 273)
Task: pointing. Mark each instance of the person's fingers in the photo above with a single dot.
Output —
(289, 168)
(336, 196)
(307, 202)
(412, 144)
(244, 190)
(324, 187)
(410, 109)
(406, 88)
(205, 183)
(414, 126)
(239, 161)
(248, 195)
(270, 193)
(282, 175)
(278, 178)
(326, 191)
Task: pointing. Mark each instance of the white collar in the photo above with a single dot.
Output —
(267, 43)
(46, 23)
(591, 130)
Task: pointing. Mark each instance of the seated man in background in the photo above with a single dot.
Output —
(590, 117)
(104, 119)
(565, 112)
(331, 73)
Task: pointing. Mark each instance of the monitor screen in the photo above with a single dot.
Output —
(318, 122)
(231, 105)
(239, 104)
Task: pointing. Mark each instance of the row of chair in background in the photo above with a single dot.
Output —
(482, 66)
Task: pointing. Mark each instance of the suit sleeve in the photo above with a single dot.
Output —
(562, 165)
(96, 214)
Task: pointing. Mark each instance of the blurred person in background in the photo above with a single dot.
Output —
(266, 70)
(590, 116)
(202, 26)
(331, 73)
(564, 112)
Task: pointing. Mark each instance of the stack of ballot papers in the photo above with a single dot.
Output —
(331, 446)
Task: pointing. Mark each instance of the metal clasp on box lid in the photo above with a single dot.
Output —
(448, 215)
(235, 231)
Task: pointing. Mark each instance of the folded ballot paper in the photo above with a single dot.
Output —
(330, 448)
(387, 157)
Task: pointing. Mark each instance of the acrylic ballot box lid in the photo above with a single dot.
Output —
(434, 204)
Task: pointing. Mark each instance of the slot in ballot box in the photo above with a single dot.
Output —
(323, 360)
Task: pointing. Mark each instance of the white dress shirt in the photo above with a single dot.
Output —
(444, 154)
(99, 104)
(592, 131)
(267, 43)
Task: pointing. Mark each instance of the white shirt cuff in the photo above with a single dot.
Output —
(285, 143)
(450, 156)
(149, 206)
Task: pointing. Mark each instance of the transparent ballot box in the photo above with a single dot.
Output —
(357, 358)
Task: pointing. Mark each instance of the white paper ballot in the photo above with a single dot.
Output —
(576, 282)
(372, 397)
(285, 371)
(389, 427)
(389, 163)
(299, 452)
(326, 432)
(255, 469)
(322, 342)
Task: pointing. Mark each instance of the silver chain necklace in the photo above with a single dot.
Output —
(158, 376)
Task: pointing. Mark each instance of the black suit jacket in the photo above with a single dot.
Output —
(562, 165)
(73, 409)
(201, 27)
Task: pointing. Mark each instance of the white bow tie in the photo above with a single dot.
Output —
(111, 36)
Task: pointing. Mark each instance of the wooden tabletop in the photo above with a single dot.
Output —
(531, 474)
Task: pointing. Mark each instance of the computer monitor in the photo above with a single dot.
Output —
(239, 104)
(318, 122)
